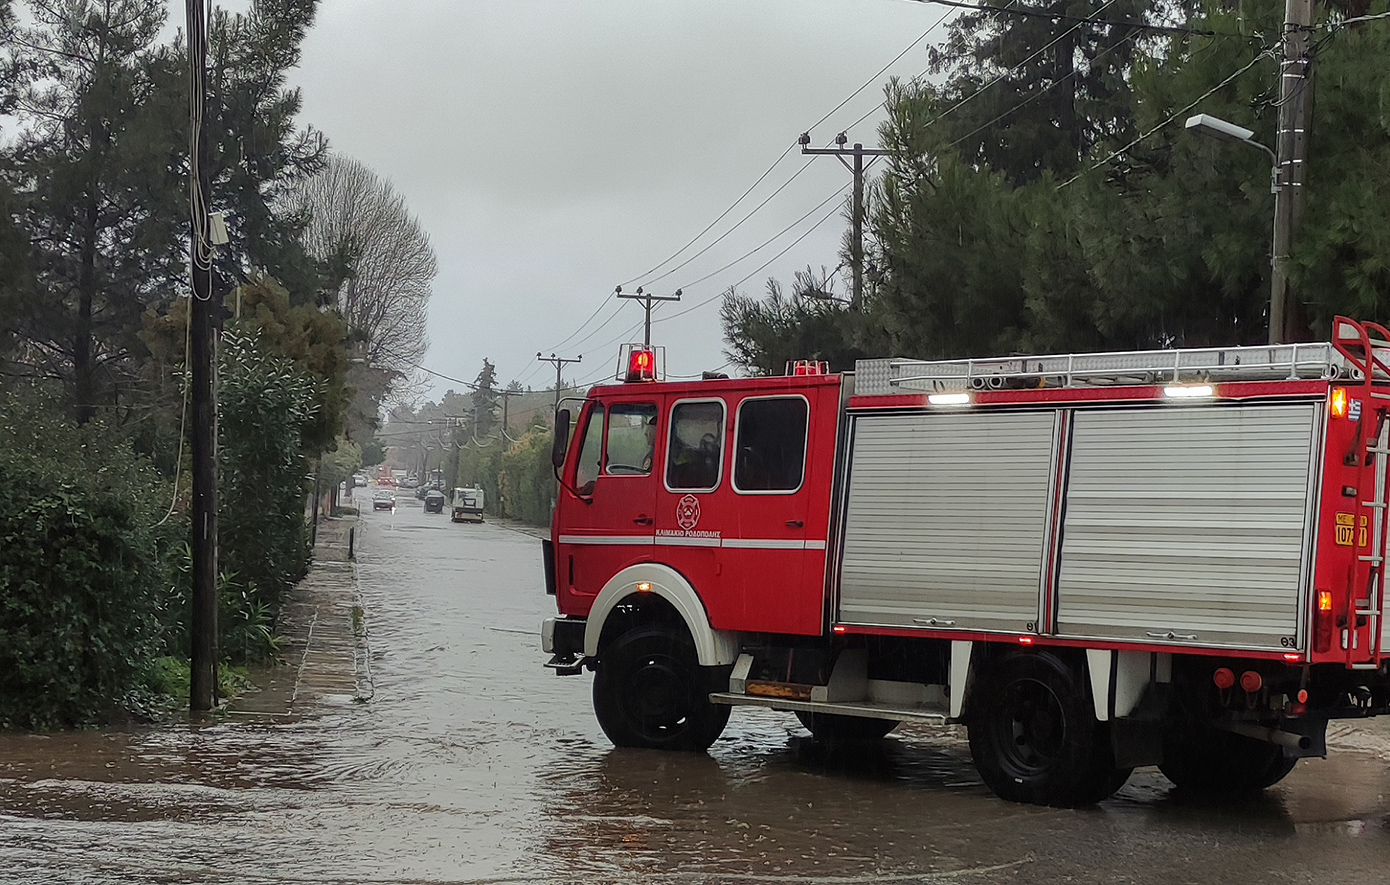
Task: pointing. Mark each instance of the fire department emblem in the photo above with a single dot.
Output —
(688, 512)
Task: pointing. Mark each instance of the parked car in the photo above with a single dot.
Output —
(359, 479)
(434, 501)
(384, 499)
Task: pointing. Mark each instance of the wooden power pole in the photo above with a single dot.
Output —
(1291, 146)
(647, 300)
(202, 689)
(856, 168)
(559, 362)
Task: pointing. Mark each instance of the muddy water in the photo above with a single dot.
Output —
(473, 764)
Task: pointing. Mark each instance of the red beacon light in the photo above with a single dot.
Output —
(641, 365)
(808, 367)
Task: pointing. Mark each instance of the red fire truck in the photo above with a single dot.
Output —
(1093, 561)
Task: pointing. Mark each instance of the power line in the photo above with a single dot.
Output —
(1006, 72)
(1201, 98)
(736, 226)
(756, 271)
(1026, 12)
(769, 240)
(731, 208)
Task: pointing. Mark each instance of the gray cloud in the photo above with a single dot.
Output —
(554, 149)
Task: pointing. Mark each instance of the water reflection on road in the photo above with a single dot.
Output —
(473, 764)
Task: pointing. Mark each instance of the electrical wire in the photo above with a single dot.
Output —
(1034, 96)
(1268, 53)
(738, 223)
(847, 99)
(768, 241)
(732, 206)
(755, 272)
(183, 414)
(198, 21)
(1026, 12)
(1006, 72)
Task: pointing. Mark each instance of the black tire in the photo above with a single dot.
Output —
(1219, 763)
(830, 727)
(651, 692)
(1034, 736)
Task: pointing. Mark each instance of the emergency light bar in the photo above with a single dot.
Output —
(640, 362)
(807, 367)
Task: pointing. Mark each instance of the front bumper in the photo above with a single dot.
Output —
(563, 640)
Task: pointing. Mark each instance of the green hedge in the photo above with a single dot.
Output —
(84, 568)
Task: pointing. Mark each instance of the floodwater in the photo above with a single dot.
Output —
(472, 763)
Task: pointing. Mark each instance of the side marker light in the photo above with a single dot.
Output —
(1338, 403)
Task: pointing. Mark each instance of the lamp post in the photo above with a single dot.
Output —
(1205, 124)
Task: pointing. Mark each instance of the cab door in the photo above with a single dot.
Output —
(607, 522)
(777, 547)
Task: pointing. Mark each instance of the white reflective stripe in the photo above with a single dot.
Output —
(683, 541)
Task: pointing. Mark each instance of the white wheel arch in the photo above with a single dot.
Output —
(712, 647)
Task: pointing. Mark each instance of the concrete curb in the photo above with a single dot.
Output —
(326, 658)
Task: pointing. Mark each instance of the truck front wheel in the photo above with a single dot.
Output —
(650, 692)
(1034, 736)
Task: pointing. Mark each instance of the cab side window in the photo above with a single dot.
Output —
(696, 453)
(770, 448)
(631, 439)
(590, 453)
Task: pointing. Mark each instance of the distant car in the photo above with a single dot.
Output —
(420, 492)
(359, 479)
(434, 501)
(383, 499)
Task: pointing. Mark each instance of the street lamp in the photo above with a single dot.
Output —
(1206, 124)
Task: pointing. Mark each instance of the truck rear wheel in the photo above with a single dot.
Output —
(830, 727)
(1215, 762)
(1034, 736)
(650, 692)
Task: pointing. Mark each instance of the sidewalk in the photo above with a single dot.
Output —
(323, 631)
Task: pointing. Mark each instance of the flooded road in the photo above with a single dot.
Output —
(471, 763)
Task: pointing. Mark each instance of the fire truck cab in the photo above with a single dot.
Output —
(1094, 561)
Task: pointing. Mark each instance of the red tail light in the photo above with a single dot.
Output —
(1251, 681)
(1223, 678)
(1322, 622)
(641, 365)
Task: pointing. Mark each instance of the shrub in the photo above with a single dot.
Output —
(265, 402)
(83, 567)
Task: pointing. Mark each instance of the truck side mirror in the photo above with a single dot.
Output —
(562, 438)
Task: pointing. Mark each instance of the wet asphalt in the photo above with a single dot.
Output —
(472, 763)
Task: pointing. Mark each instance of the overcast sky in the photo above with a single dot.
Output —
(554, 149)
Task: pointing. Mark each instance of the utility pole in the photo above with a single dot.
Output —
(647, 298)
(506, 403)
(856, 247)
(559, 363)
(1295, 86)
(202, 688)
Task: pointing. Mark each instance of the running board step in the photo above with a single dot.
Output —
(866, 709)
(848, 692)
